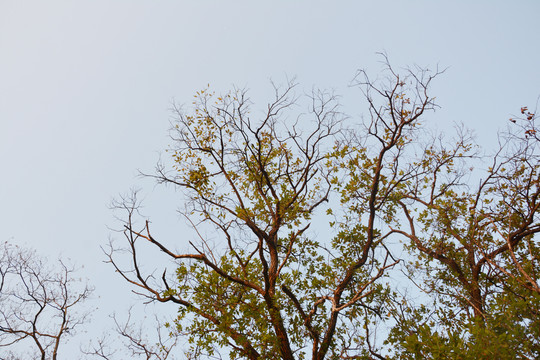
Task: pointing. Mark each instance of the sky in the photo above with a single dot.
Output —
(86, 89)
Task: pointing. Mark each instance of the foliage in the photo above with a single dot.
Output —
(258, 283)
(469, 244)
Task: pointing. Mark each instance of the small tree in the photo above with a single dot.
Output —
(38, 303)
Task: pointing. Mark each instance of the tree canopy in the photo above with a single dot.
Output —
(323, 237)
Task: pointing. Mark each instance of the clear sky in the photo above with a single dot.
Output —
(86, 88)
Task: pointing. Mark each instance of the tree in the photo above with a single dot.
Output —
(476, 247)
(265, 289)
(259, 284)
(38, 303)
(526, 261)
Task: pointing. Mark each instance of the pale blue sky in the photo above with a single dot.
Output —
(85, 87)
